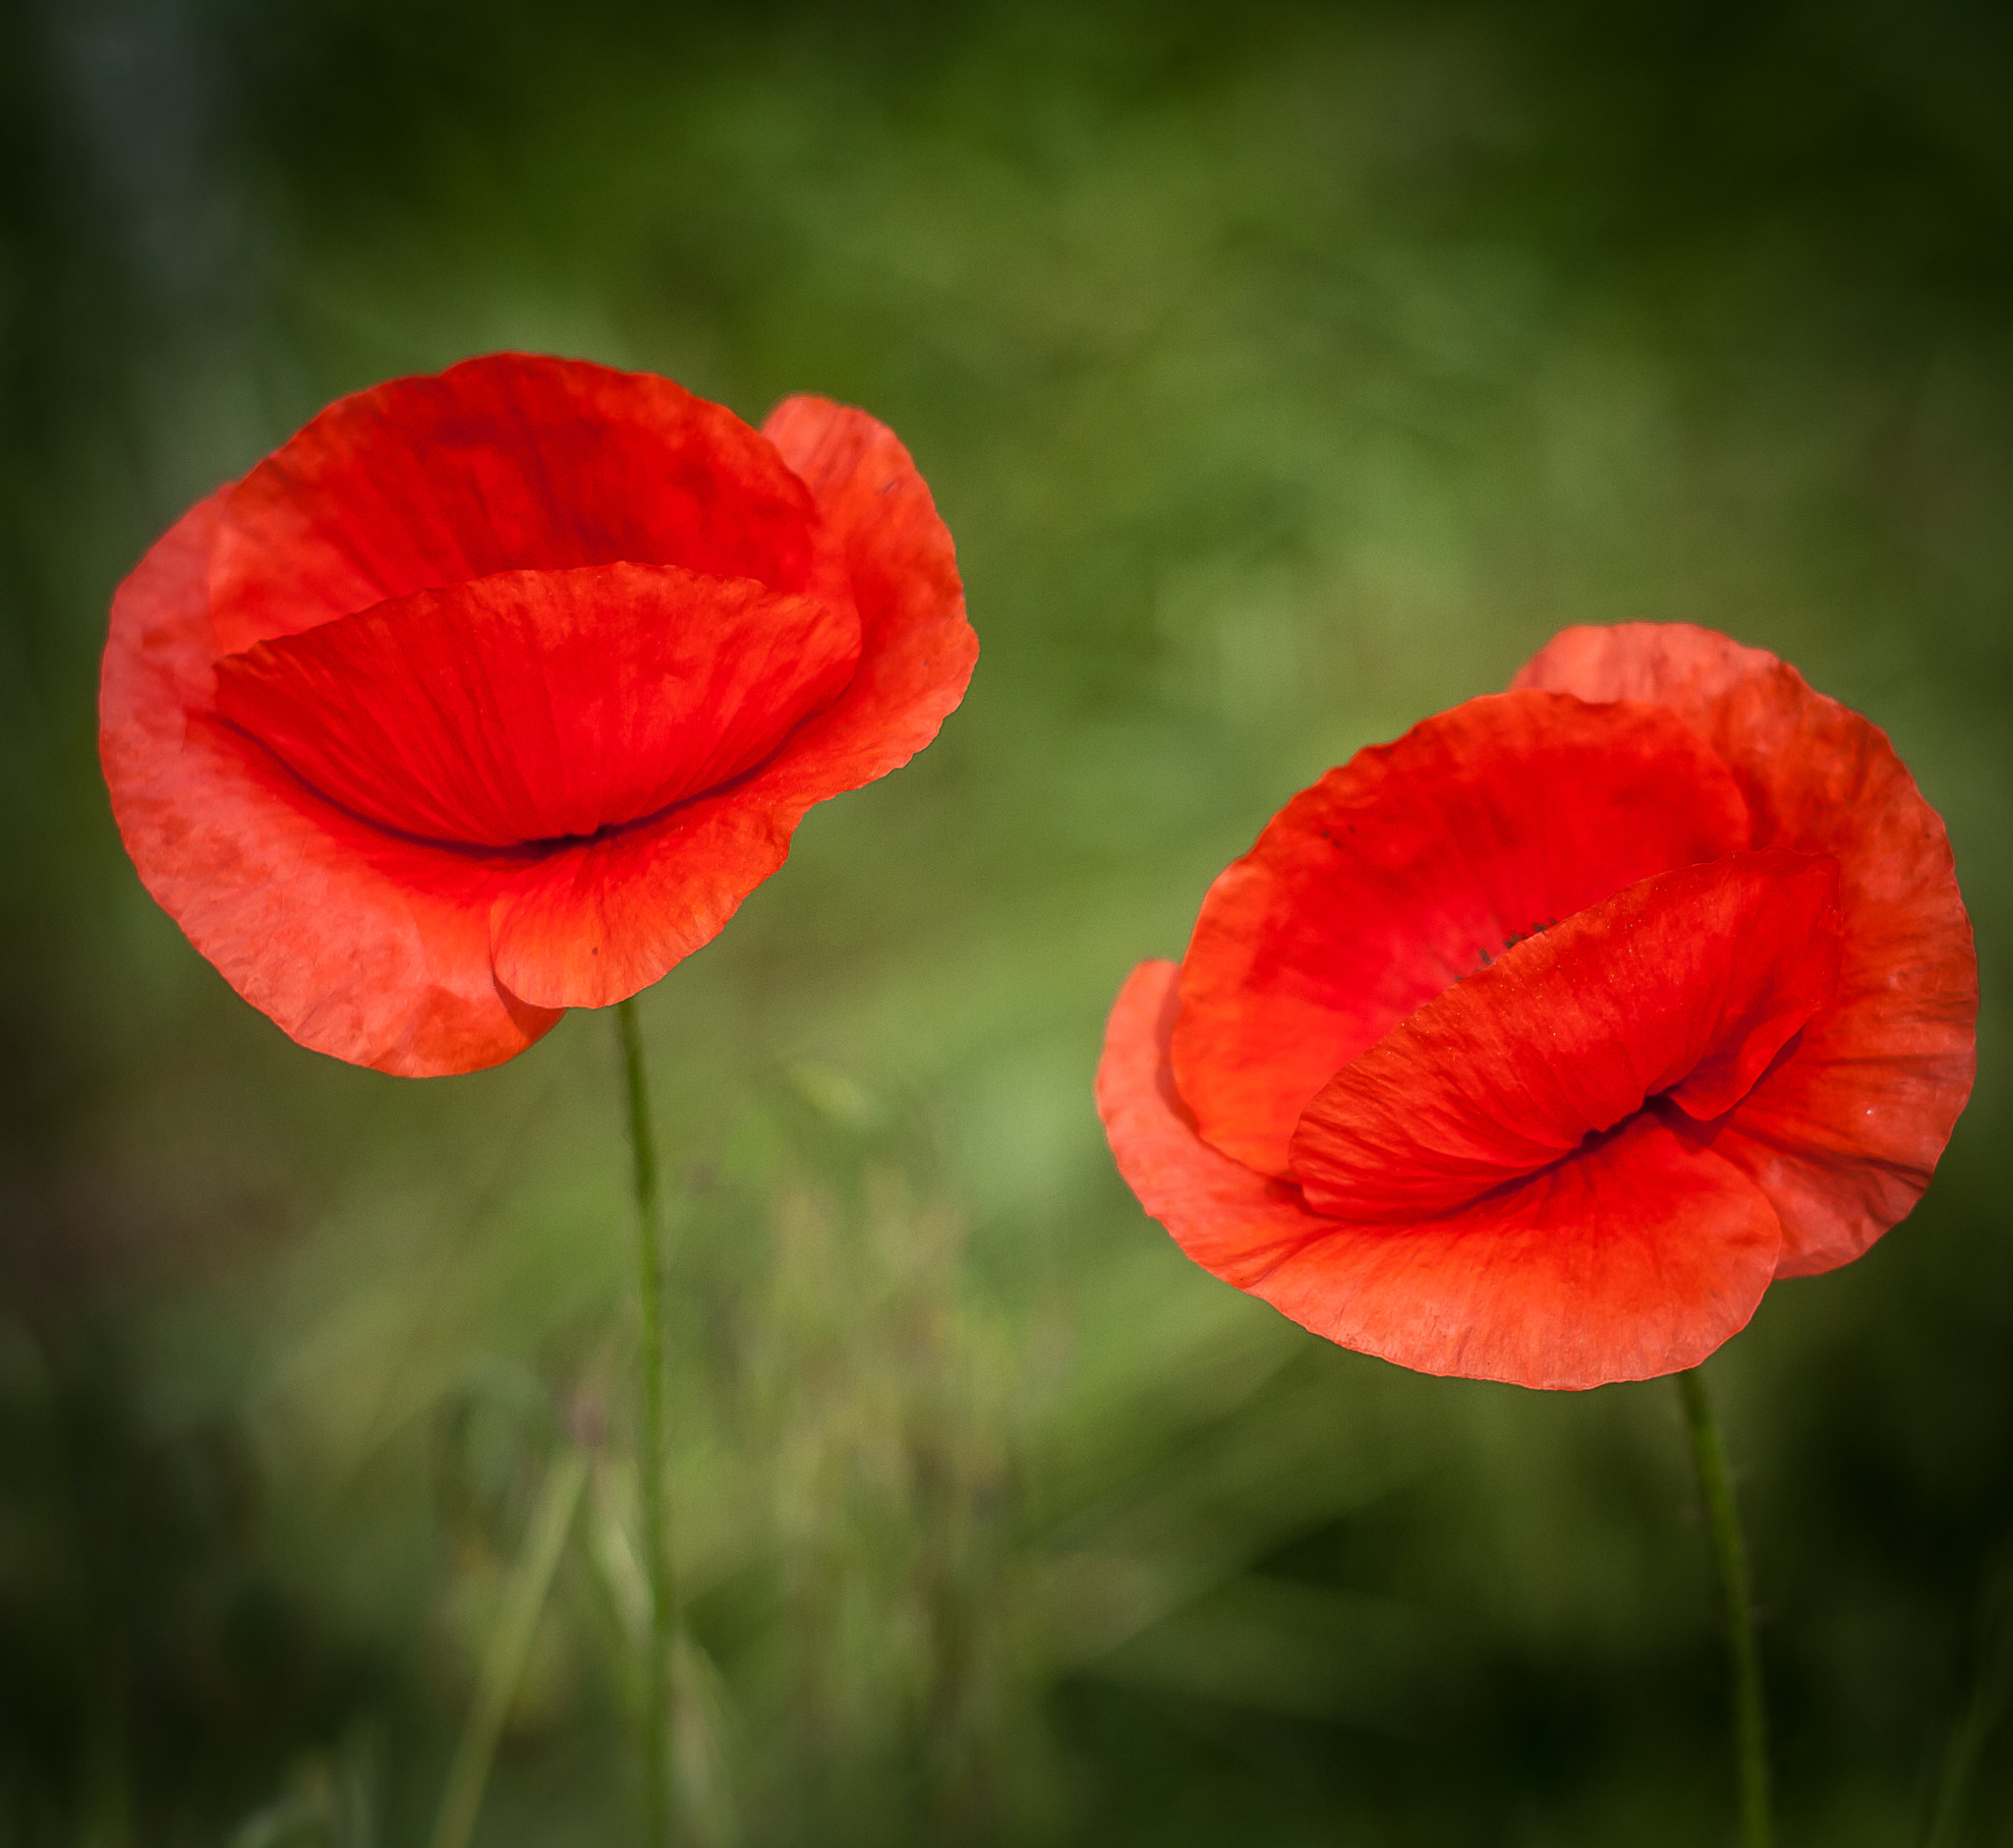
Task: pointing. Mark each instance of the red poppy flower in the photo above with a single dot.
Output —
(494, 693)
(1533, 1045)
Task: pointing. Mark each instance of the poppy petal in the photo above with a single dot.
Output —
(1637, 1257)
(1411, 866)
(591, 923)
(1231, 1221)
(511, 462)
(1685, 982)
(534, 704)
(360, 944)
(1633, 1259)
(1842, 1135)
(917, 649)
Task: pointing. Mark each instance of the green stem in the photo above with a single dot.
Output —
(509, 1645)
(657, 1565)
(1751, 1723)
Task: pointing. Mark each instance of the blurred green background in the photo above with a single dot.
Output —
(1286, 373)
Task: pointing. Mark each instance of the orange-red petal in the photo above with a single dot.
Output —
(1411, 866)
(532, 705)
(1685, 984)
(1844, 1134)
(356, 943)
(1635, 1257)
(594, 921)
(511, 462)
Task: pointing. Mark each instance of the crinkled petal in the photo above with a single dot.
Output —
(917, 649)
(358, 944)
(507, 463)
(594, 922)
(1411, 866)
(1637, 1257)
(1687, 983)
(1844, 1134)
(534, 704)
(1230, 1220)
(1633, 1259)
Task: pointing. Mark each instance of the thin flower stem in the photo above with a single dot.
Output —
(509, 1645)
(657, 1564)
(1751, 1721)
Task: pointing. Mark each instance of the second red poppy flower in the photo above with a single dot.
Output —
(1535, 1045)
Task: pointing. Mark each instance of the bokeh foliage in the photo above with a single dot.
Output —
(1286, 373)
